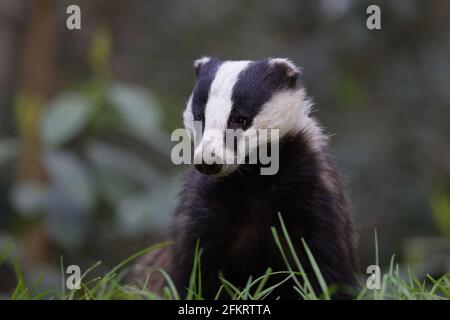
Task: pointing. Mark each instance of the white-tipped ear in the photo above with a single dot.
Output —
(291, 69)
(286, 69)
(199, 63)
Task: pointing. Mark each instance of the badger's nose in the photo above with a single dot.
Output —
(208, 168)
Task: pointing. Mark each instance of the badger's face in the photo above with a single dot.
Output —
(240, 95)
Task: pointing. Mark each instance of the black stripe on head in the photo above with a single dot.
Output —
(200, 95)
(255, 86)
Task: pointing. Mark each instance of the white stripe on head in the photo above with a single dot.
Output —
(219, 103)
(218, 108)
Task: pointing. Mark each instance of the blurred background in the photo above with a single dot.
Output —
(86, 117)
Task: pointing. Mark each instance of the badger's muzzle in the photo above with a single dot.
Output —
(209, 169)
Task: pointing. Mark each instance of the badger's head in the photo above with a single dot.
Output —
(244, 96)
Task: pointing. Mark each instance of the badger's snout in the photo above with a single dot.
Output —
(209, 169)
(209, 155)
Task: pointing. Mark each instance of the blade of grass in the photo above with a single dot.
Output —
(308, 285)
(171, 285)
(232, 290)
(319, 276)
(270, 289)
(262, 283)
(217, 296)
(194, 289)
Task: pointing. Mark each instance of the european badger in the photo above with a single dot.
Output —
(230, 209)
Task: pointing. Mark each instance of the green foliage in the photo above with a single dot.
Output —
(66, 117)
(111, 286)
(8, 150)
(100, 51)
(104, 160)
(101, 145)
(440, 205)
(349, 93)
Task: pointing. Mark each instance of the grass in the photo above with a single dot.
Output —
(393, 285)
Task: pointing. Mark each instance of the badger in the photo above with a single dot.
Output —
(228, 209)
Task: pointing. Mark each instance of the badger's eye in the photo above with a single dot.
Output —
(241, 121)
(199, 117)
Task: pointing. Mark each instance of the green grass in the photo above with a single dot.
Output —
(111, 285)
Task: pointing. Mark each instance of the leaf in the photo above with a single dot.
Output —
(136, 107)
(440, 205)
(5, 252)
(100, 49)
(69, 174)
(70, 199)
(9, 148)
(65, 117)
(29, 198)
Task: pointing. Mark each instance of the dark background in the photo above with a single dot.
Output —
(86, 116)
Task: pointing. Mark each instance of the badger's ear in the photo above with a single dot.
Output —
(287, 69)
(200, 63)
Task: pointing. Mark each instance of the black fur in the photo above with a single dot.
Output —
(255, 86)
(232, 216)
(205, 76)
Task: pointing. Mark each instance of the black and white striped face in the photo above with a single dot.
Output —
(244, 96)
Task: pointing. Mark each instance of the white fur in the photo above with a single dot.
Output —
(219, 103)
(199, 62)
(218, 107)
(289, 112)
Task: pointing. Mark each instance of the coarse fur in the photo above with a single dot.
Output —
(231, 213)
